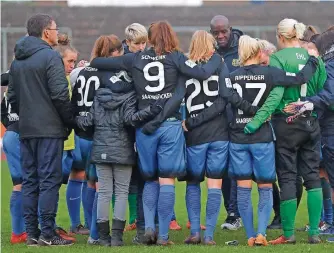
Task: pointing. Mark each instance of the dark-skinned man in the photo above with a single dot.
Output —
(227, 46)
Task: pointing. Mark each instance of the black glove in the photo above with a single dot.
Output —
(158, 106)
(67, 132)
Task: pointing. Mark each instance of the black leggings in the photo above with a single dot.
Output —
(277, 199)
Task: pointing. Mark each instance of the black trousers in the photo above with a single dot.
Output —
(42, 178)
(297, 152)
(277, 198)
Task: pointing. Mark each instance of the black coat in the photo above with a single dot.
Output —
(38, 89)
(114, 116)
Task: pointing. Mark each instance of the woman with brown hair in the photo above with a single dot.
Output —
(112, 148)
(155, 72)
(87, 82)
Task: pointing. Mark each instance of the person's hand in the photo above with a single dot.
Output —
(184, 126)
(290, 108)
(313, 52)
(158, 106)
(82, 63)
(298, 107)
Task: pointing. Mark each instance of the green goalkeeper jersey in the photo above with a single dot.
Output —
(293, 60)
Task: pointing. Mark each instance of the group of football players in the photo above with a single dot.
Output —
(234, 110)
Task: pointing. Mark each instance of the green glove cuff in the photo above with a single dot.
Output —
(252, 126)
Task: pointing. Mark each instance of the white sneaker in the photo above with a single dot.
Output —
(232, 224)
(92, 241)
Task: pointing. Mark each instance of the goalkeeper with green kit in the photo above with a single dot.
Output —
(297, 132)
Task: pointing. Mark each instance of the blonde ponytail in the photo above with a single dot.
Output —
(299, 30)
(291, 28)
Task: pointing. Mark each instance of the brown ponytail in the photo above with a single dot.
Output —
(105, 45)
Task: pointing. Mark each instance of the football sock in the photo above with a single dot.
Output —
(16, 212)
(246, 209)
(233, 199)
(73, 200)
(93, 227)
(156, 218)
(150, 202)
(84, 203)
(132, 200)
(314, 207)
(264, 209)
(140, 224)
(276, 199)
(113, 199)
(327, 196)
(165, 209)
(193, 203)
(322, 217)
(299, 190)
(288, 216)
(173, 216)
(90, 198)
(212, 211)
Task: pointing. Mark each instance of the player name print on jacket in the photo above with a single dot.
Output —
(249, 78)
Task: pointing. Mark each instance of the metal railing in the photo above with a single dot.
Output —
(256, 30)
(21, 30)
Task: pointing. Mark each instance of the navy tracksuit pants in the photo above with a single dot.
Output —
(42, 177)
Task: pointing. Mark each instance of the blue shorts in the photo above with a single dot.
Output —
(162, 154)
(209, 159)
(11, 147)
(253, 161)
(69, 156)
(85, 147)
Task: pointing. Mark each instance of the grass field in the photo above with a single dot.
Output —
(220, 237)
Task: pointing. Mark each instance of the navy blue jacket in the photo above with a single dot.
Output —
(230, 53)
(38, 88)
(324, 100)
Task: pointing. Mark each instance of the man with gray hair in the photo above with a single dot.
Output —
(38, 89)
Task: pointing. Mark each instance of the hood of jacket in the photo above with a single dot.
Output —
(110, 99)
(126, 47)
(233, 42)
(329, 54)
(27, 46)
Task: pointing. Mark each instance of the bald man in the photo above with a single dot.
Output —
(227, 40)
(227, 46)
